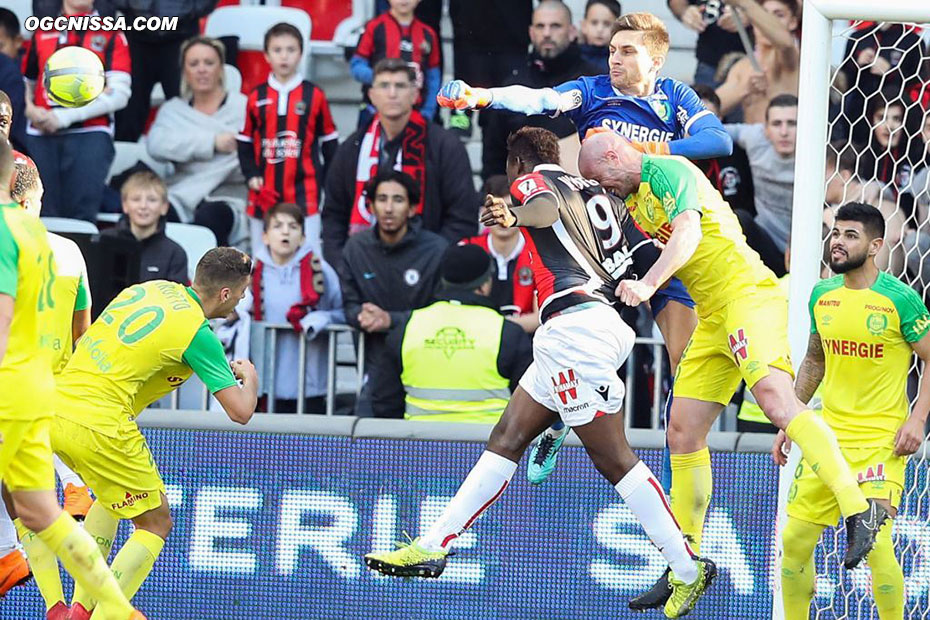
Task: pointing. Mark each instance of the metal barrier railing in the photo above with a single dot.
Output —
(264, 339)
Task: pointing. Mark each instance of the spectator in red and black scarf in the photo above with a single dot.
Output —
(399, 138)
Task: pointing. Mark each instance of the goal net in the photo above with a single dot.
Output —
(864, 135)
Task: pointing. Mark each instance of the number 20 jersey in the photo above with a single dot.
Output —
(591, 246)
(138, 339)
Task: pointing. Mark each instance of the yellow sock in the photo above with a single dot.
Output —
(44, 565)
(818, 444)
(692, 485)
(798, 574)
(887, 577)
(101, 526)
(81, 557)
(134, 561)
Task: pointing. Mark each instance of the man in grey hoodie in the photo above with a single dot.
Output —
(292, 284)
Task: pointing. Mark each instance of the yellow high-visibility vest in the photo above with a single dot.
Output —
(449, 356)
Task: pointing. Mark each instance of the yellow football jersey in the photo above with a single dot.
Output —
(72, 294)
(724, 267)
(27, 274)
(146, 342)
(866, 336)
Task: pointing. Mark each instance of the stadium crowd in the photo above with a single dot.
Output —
(354, 224)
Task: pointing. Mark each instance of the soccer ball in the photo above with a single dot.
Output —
(74, 76)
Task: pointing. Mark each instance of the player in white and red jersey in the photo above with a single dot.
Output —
(581, 255)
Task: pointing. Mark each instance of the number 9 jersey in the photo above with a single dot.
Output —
(146, 342)
(591, 246)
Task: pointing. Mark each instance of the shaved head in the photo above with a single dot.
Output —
(612, 161)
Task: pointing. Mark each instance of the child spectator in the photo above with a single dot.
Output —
(293, 284)
(145, 203)
(288, 126)
(599, 16)
(399, 34)
(513, 289)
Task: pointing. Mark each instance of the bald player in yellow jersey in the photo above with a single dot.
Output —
(742, 334)
(27, 275)
(865, 327)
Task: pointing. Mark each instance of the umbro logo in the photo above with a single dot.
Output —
(603, 391)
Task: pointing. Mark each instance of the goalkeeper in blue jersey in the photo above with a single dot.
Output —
(659, 115)
(663, 115)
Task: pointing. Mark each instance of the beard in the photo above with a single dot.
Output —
(851, 262)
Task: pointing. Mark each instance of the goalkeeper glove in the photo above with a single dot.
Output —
(458, 95)
(652, 148)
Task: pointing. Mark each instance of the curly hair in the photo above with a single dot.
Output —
(25, 179)
(534, 145)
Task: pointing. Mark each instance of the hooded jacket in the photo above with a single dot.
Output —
(280, 291)
(160, 259)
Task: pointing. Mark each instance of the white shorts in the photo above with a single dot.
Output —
(575, 361)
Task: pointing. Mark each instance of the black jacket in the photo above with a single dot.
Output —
(538, 72)
(451, 205)
(160, 257)
(387, 392)
(396, 278)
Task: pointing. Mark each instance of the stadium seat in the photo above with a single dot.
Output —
(196, 241)
(67, 225)
(250, 23)
(128, 153)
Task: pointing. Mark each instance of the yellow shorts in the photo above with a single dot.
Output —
(26, 455)
(121, 471)
(880, 473)
(738, 342)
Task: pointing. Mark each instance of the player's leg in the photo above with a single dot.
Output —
(14, 570)
(673, 312)
(128, 486)
(757, 329)
(30, 478)
(887, 575)
(102, 526)
(135, 560)
(77, 497)
(798, 574)
(522, 420)
(605, 441)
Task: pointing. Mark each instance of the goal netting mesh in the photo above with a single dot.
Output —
(879, 152)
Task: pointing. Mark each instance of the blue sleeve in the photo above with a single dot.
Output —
(361, 70)
(706, 138)
(688, 108)
(433, 81)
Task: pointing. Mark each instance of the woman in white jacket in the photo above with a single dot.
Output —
(196, 132)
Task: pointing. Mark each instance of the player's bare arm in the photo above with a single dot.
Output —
(766, 23)
(911, 434)
(810, 374)
(79, 324)
(541, 211)
(6, 317)
(239, 402)
(681, 245)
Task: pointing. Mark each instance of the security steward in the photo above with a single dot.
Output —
(457, 359)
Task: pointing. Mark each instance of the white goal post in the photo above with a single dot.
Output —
(809, 189)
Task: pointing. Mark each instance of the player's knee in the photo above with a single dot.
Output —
(509, 440)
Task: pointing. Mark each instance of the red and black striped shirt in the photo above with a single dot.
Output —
(286, 124)
(415, 43)
(110, 46)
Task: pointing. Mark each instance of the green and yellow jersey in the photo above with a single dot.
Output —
(866, 336)
(147, 342)
(27, 274)
(72, 294)
(724, 267)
